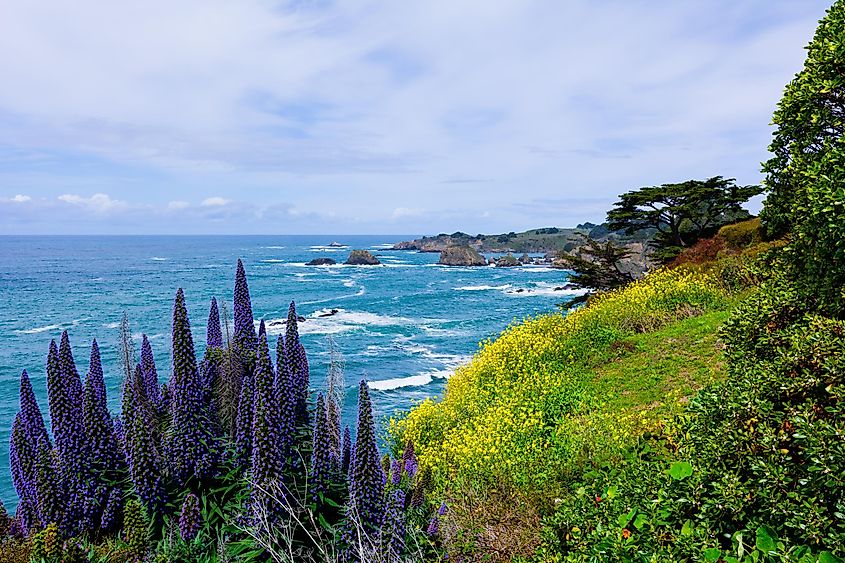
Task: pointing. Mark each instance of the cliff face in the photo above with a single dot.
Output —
(461, 256)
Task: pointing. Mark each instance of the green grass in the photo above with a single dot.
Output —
(658, 371)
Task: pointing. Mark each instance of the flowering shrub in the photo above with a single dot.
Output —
(518, 412)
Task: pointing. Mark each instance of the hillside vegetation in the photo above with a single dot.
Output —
(694, 415)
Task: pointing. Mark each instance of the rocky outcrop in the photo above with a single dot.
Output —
(362, 258)
(321, 262)
(461, 256)
(508, 261)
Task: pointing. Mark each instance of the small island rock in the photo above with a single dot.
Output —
(508, 261)
(321, 262)
(461, 256)
(362, 258)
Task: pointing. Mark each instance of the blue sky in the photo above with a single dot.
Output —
(313, 116)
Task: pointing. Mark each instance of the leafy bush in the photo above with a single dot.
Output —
(757, 464)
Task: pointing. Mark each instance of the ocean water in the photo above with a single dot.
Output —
(403, 326)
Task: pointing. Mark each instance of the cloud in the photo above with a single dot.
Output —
(365, 108)
(19, 198)
(214, 202)
(98, 203)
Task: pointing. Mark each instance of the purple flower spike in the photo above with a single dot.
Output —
(190, 442)
(366, 488)
(321, 457)
(190, 518)
(266, 454)
(243, 423)
(245, 337)
(98, 422)
(394, 529)
(396, 467)
(345, 451)
(286, 399)
(152, 390)
(142, 445)
(214, 336)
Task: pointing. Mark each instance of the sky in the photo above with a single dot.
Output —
(377, 117)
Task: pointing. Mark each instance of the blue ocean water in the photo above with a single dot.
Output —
(403, 326)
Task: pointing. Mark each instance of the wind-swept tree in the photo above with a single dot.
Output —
(682, 212)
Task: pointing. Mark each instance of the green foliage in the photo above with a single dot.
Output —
(755, 469)
(597, 266)
(804, 177)
(681, 212)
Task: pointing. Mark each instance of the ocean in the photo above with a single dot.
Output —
(403, 326)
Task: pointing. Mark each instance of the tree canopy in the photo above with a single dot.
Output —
(597, 266)
(681, 212)
(806, 174)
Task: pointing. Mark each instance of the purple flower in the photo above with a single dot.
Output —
(243, 423)
(394, 528)
(433, 526)
(142, 444)
(286, 401)
(266, 454)
(190, 441)
(345, 451)
(190, 518)
(69, 431)
(366, 487)
(23, 457)
(214, 336)
(321, 456)
(98, 422)
(52, 504)
(244, 336)
(409, 459)
(110, 520)
(396, 472)
(152, 390)
(442, 510)
(30, 411)
(296, 361)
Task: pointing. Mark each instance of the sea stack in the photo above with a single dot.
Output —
(461, 256)
(362, 258)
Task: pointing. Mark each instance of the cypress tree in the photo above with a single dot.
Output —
(366, 487)
(189, 444)
(244, 336)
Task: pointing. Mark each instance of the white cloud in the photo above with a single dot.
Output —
(19, 198)
(214, 202)
(98, 203)
(177, 205)
(376, 107)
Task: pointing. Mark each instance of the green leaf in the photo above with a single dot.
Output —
(828, 557)
(766, 539)
(640, 521)
(712, 554)
(625, 518)
(680, 470)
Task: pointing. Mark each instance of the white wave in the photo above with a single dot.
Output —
(47, 328)
(274, 247)
(437, 331)
(158, 259)
(484, 287)
(417, 380)
(274, 261)
(359, 293)
(385, 246)
(334, 321)
(112, 325)
(544, 289)
(350, 283)
(39, 329)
